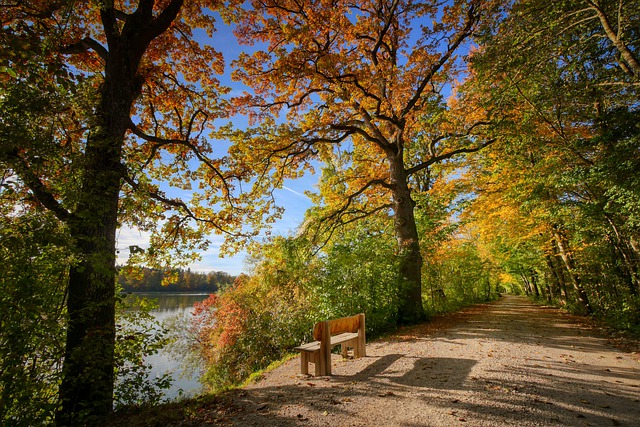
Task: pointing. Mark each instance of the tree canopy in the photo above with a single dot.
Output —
(363, 88)
(465, 148)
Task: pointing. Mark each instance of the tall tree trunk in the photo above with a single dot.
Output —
(567, 258)
(628, 258)
(88, 374)
(555, 280)
(410, 286)
(560, 272)
(88, 370)
(548, 288)
(527, 285)
(534, 284)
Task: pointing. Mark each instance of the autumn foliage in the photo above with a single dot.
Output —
(246, 327)
(464, 148)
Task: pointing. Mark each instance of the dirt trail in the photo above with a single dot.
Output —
(499, 364)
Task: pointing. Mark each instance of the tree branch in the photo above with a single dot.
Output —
(471, 20)
(164, 20)
(84, 45)
(184, 142)
(179, 205)
(40, 191)
(437, 159)
(387, 24)
(324, 226)
(620, 45)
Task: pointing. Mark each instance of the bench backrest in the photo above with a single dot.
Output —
(338, 326)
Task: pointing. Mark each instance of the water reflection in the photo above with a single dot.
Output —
(170, 306)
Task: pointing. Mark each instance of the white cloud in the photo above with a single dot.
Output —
(130, 237)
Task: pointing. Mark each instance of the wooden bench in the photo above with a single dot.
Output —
(349, 332)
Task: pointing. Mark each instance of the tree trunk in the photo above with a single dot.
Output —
(567, 258)
(556, 279)
(534, 284)
(560, 272)
(88, 371)
(410, 286)
(628, 259)
(527, 285)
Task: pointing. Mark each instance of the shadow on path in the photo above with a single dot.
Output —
(508, 363)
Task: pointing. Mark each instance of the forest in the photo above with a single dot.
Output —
(463, 149)
(149, 280)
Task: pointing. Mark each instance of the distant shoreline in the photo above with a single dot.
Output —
(170, 292)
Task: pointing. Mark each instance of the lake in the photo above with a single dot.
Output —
(172, 305)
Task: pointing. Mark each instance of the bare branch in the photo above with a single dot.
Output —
(330, 227)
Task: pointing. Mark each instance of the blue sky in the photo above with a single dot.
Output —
(291, 197)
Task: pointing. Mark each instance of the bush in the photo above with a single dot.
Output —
(247, 327)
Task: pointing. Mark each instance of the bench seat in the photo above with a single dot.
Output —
(335, 340)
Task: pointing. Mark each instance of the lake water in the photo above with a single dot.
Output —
(171, 305)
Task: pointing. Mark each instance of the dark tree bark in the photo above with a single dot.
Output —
(88, 375)
(410, 286)
(534, 284)
(556, 278)
(88, 372)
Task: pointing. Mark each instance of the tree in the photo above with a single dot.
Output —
(359, 84)
(563, 75)
(139, 92)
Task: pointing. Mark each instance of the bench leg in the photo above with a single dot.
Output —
(357, 348)
(318, 366)
(362, 337)
(345, 350)
(324, 367)
(304, 363)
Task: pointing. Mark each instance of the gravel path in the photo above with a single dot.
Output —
(509, 363)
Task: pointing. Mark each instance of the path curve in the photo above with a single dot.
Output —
(508, 363)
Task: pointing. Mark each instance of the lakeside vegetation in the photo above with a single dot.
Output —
(175, 280)
(463, 149)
